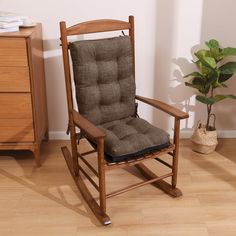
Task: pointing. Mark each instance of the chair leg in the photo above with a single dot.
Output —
(98, 210)
(163, 185)
(176, 153)
(101, 174)
(74, 150)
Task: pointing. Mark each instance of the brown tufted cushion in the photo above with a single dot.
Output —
(132, 137)
(105, 92)
(103, 73)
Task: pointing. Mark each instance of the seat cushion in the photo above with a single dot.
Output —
(131, 137)
(104, 78)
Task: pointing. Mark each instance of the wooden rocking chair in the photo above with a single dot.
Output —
(105, 92)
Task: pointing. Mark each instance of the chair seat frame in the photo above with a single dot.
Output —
(74, 158)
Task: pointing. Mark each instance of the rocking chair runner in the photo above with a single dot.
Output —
(105, 92)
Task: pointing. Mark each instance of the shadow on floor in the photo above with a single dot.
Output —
(21, 169)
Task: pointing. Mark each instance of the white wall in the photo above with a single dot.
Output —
(166, 32)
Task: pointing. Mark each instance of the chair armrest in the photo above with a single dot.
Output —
(164, 107)
(86, 126)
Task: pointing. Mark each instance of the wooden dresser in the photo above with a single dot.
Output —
(23, 110)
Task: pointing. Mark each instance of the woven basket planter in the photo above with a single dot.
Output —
(204, 141)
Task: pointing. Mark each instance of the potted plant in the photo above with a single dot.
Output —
(213, 71)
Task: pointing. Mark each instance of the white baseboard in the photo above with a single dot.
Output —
(226, 133)
(58, 135)
(184, 134)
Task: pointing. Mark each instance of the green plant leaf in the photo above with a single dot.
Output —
(194, 74)
(197, 80)
(228, 68)
(210, 61)
(224, 77)
(216, 98)
(213, 44)
(204, 56)
(228, 51)
(218, 85)
(205, 70)
(213, 80)
(224, 85)
(200, 53)
(200, 84)
(195, 86)
(220, 97)
(203, 86)
(205, 100)
(215, 53)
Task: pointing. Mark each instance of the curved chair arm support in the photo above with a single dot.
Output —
(86, 126)
(164, 107)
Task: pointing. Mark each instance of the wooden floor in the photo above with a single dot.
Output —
(45, 201)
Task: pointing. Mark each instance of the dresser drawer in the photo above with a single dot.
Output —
(15, 106)
(14, 79)
(16, 130)
(13, 52)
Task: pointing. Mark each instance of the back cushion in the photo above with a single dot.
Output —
(104, 79)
